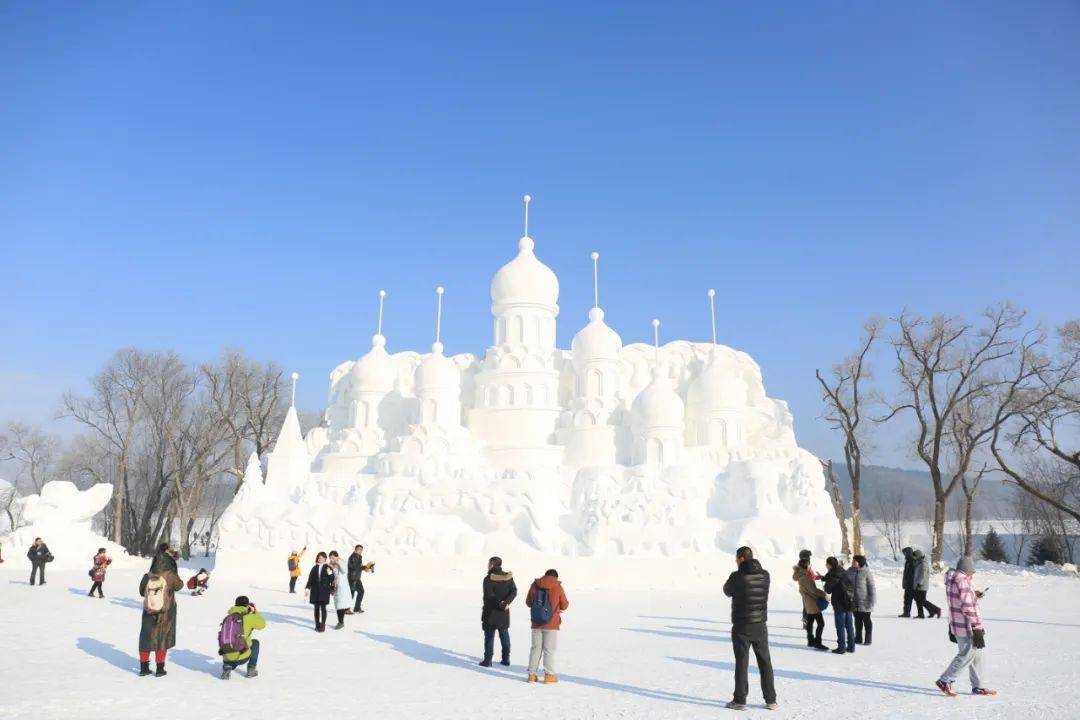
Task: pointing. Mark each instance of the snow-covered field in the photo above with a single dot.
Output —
(623, 654)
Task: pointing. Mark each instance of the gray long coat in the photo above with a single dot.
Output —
(865, 592)
(922, 572)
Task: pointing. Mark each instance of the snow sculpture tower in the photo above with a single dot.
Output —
(289, 464)
(516, 404)
(716, 400)
(657, 417)
(595, 350)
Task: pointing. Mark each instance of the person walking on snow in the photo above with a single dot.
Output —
(814, 600)
(921, 585)
(342, 593)
(295, 558)
(251, 621)
(158, 630)
(319, 590)
(966, 626)
(748, 588)
(357, 568)
(97, 574)
(547, 600)
(908, 582)
(842, 594)
(499, 592)
(38, 555)
(865, 597)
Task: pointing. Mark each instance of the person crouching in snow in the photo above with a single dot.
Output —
(341, 589)
(199, 582)
(97, 574)
(499, 592)
(814, 603)
(158, 631)
(966, 626)
(547, 599)
(234, 639)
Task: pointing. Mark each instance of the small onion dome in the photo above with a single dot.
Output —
(596, 341)
(437, 372)
(374, 372)
(658, 405)
(718, 387)
(525, 279)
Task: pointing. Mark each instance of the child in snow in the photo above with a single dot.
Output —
(199, 582)
(966, 626)
(97, 574)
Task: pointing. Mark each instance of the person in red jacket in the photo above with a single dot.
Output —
(547, 599)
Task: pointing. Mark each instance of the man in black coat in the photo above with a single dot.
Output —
(748, 588)
(356, 580)
(38, 554)
(499, 592)
(909, 581)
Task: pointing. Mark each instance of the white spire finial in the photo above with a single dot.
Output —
(656, 339)
(595, 279)
(712, 313)
(528, 199)
(295, 377)
(382, 298)
(438, 313)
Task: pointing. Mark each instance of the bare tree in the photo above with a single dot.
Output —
(844, 404)
(34, 452)
(947, 367)
(970, 485)
(8, 502)
(838, 506)
(888, 517)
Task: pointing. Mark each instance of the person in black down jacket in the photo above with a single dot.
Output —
(842, 595)
(38, 555)
(499, 592)
(908, 581)
(320, 588)
(748, 588)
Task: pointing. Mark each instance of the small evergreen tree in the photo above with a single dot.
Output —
(1046, 549)
(992, 548)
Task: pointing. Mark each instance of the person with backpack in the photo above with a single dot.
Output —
(235, 644)
(965, 629)
(97, 572)
(294, 568)
(921, 585)
(865, 596)
(38, 555)
(158, 630)
(748, 588)
(319, 589)
(908, 581)
(547, 601)
(199, 582)
(842, 595)
(356, 570)
(499, 592)
(342, 591)
(814, 603)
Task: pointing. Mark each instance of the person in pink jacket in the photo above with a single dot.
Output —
(966, 626)
(97, 574)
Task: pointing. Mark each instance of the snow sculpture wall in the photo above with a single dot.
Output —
(603, 450)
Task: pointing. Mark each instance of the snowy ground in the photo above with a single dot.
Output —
(623, 655)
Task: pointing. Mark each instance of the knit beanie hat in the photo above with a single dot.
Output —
(966, 564)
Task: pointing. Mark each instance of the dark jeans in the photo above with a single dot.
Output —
(35, 569)
(909, 596)
(292, 584)
(925, 605)
(845, 629)
(320, 614)
(489, 643)
(814, 637)
(358, 591)
(863, 622)
(96, 586)
(743, 638)
(252, 660)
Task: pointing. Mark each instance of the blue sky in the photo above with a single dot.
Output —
(201, 175)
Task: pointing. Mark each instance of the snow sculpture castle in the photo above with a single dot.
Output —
(605, 449)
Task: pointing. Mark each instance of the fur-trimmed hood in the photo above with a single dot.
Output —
(501, 576)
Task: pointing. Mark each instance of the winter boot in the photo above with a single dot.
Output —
(946, 688)
(144, 668)
(339, 626)
(772, 706)
(532, 677)
(550, 679)
(485, 663)
(732, 705)
(983, 691)
(839, 651)
(161, 671)
(252, 672)
(505, 661)
(226, 672)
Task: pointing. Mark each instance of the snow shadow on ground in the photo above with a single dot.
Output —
(441, 656)
(273, 617)
(716, 638)
(812, 677)
(1031, 622)
(195, 661)
(109, 653)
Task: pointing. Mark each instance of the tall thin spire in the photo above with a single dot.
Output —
(712, 313)
(295, 377)
(656, 340)
(382, 299)
(595, 279)
(438, 314)
(528, 199)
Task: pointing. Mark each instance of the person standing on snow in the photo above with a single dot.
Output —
(319, 589)
(547, 599)
(921, 585)
(499, 592)
(842, 594)
(295, 558)
(865, 597)
(97, 574)
(813, 601)
(38, 555)
(158, 630)
(966, 626)
(748, 588)
(908, 582)
(251, 621)
(357, 568)
(342, 593)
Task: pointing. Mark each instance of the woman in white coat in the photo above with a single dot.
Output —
(342, 593)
